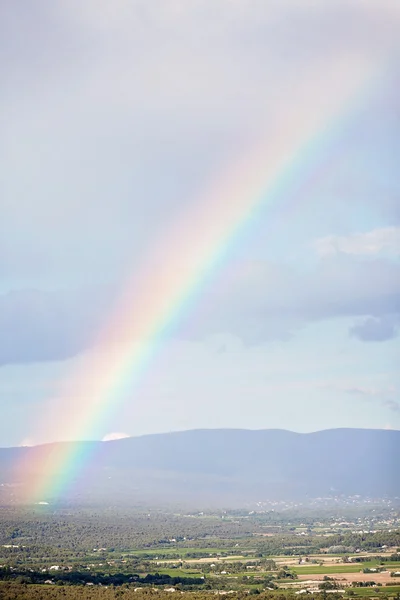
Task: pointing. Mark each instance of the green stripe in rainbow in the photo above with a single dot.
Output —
(172, 277)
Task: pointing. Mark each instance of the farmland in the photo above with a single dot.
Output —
(351, 552)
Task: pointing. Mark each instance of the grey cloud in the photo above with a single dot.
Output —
(392, 405)
(271, 302)
(365, 391)
(384, 396)
(44, 326)
(376, 329)
(367, 243)
(255, 301)
(118, 114)
(263, 301)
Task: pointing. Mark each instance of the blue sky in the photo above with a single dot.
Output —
(115, 117)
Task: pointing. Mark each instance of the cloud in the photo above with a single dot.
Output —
(40, 326)
(363, 391)
(370, 243)
(392, 405)
(116, 435)
(259, 300)
(369, 392)
(256, 301)
(27, 443)
(119, 92)
(134, 107)
(118, 117)
(376, 329)
(384, 395)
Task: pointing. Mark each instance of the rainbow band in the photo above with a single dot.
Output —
(141, 321)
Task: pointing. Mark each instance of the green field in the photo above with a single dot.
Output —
(179, 572)
(340, 568)
(389, 590)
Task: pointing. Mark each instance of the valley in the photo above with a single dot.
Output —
(344, 551)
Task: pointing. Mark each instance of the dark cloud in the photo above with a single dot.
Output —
(255, 301)
(259, 301)
(376, 329)
(44, 326)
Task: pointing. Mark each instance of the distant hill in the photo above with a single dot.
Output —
(229, 466)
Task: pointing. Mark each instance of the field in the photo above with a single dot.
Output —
(391, 591)
(222, 552)
(329, 569)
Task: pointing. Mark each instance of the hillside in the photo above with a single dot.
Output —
(226, 466)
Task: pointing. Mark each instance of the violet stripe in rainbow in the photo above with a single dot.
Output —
(171, 277)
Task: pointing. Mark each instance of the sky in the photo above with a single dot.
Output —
(127, 129)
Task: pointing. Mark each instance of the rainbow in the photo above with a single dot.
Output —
(173, 274)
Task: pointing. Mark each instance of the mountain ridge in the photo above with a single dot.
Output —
(200, 429)
(228, 465)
